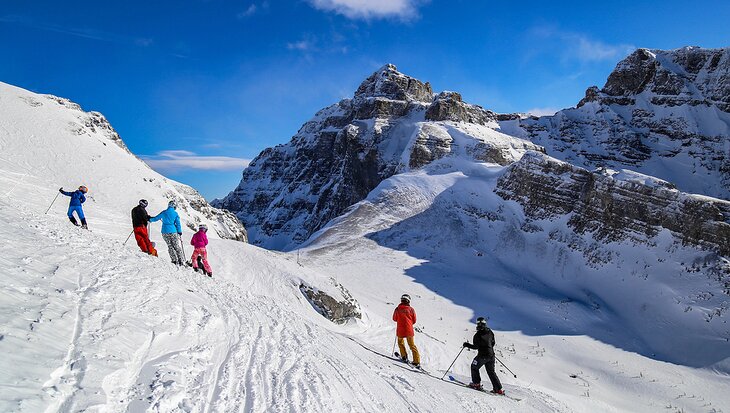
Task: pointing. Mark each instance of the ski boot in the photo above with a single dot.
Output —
(500, 392)
(73, 221)
(83, 223)
(475, 386)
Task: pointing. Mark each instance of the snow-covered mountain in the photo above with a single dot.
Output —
(661, 113)
(71, 147)
(569, 265)
(393, 123)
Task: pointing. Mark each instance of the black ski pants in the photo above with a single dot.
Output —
(488, 363)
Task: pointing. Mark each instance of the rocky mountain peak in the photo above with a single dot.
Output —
(687, 75)
(387, 82)
(393, 123)
(632, 74)
(664, 113)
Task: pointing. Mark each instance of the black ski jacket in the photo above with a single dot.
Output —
(484, 343)
(140, 217)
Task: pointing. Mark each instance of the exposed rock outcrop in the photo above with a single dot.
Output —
(635, 207)
(662, 113)
(338, 311)
(449, 106)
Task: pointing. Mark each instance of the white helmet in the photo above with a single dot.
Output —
(406, 298)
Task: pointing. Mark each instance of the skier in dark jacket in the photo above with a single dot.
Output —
(484, 344)
(140, 220)
(77, 198)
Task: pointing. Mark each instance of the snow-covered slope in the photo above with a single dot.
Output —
(47, 142)
(563, 294)
(662, 113)
(88, 324)
(392, 124)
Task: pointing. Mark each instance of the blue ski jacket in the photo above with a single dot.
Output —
(170, 221)
(77, 197)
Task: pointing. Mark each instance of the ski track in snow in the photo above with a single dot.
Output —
(107, 328)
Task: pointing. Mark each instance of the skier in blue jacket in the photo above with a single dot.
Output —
(171, 232)
(77, 198)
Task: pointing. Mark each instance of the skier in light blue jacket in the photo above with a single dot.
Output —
(171, 232)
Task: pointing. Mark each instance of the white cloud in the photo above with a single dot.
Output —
(254, 8)
(175, 153)
(369, 9)
(177, 160)
(542, 111)
(86, 33)
(250, 11)
(578, 46)
(593, 50)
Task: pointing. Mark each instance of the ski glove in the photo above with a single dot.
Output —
(60, 189)
(179, 233)
(466, 344)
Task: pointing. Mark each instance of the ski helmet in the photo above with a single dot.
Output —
(203, 227)
(143, 203)
(83, 189)
(405, 298)
(172, 204)
(481, 323)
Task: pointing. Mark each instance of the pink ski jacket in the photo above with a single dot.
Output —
(200, 240)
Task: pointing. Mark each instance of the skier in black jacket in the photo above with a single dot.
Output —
(484, 343)
(140, 219)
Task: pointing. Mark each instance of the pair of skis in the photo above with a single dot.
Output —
(452, 379)
(402, 364)
(456, 381)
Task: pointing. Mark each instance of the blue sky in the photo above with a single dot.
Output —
(202, 86)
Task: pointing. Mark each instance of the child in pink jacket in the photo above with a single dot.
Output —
(199, 241)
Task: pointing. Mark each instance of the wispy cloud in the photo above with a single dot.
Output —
(253, 9)
(593, 50)
(177, 160)
(301, 45)
(578, 46)
(91, 34)
(370, 9)
(547, 111)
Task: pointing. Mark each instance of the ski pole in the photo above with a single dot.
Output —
(128, 236)
(452, 363)
(500, 362)
(52, 202)
(183, 246)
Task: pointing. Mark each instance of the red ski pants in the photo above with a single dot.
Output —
(143, 240)
(204, 254)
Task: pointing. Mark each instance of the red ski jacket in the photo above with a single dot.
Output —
(405, 316)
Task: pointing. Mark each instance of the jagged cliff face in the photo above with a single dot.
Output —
(616, 205)
(393, 123)
(662, 113)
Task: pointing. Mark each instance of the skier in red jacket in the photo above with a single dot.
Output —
(405, 316)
